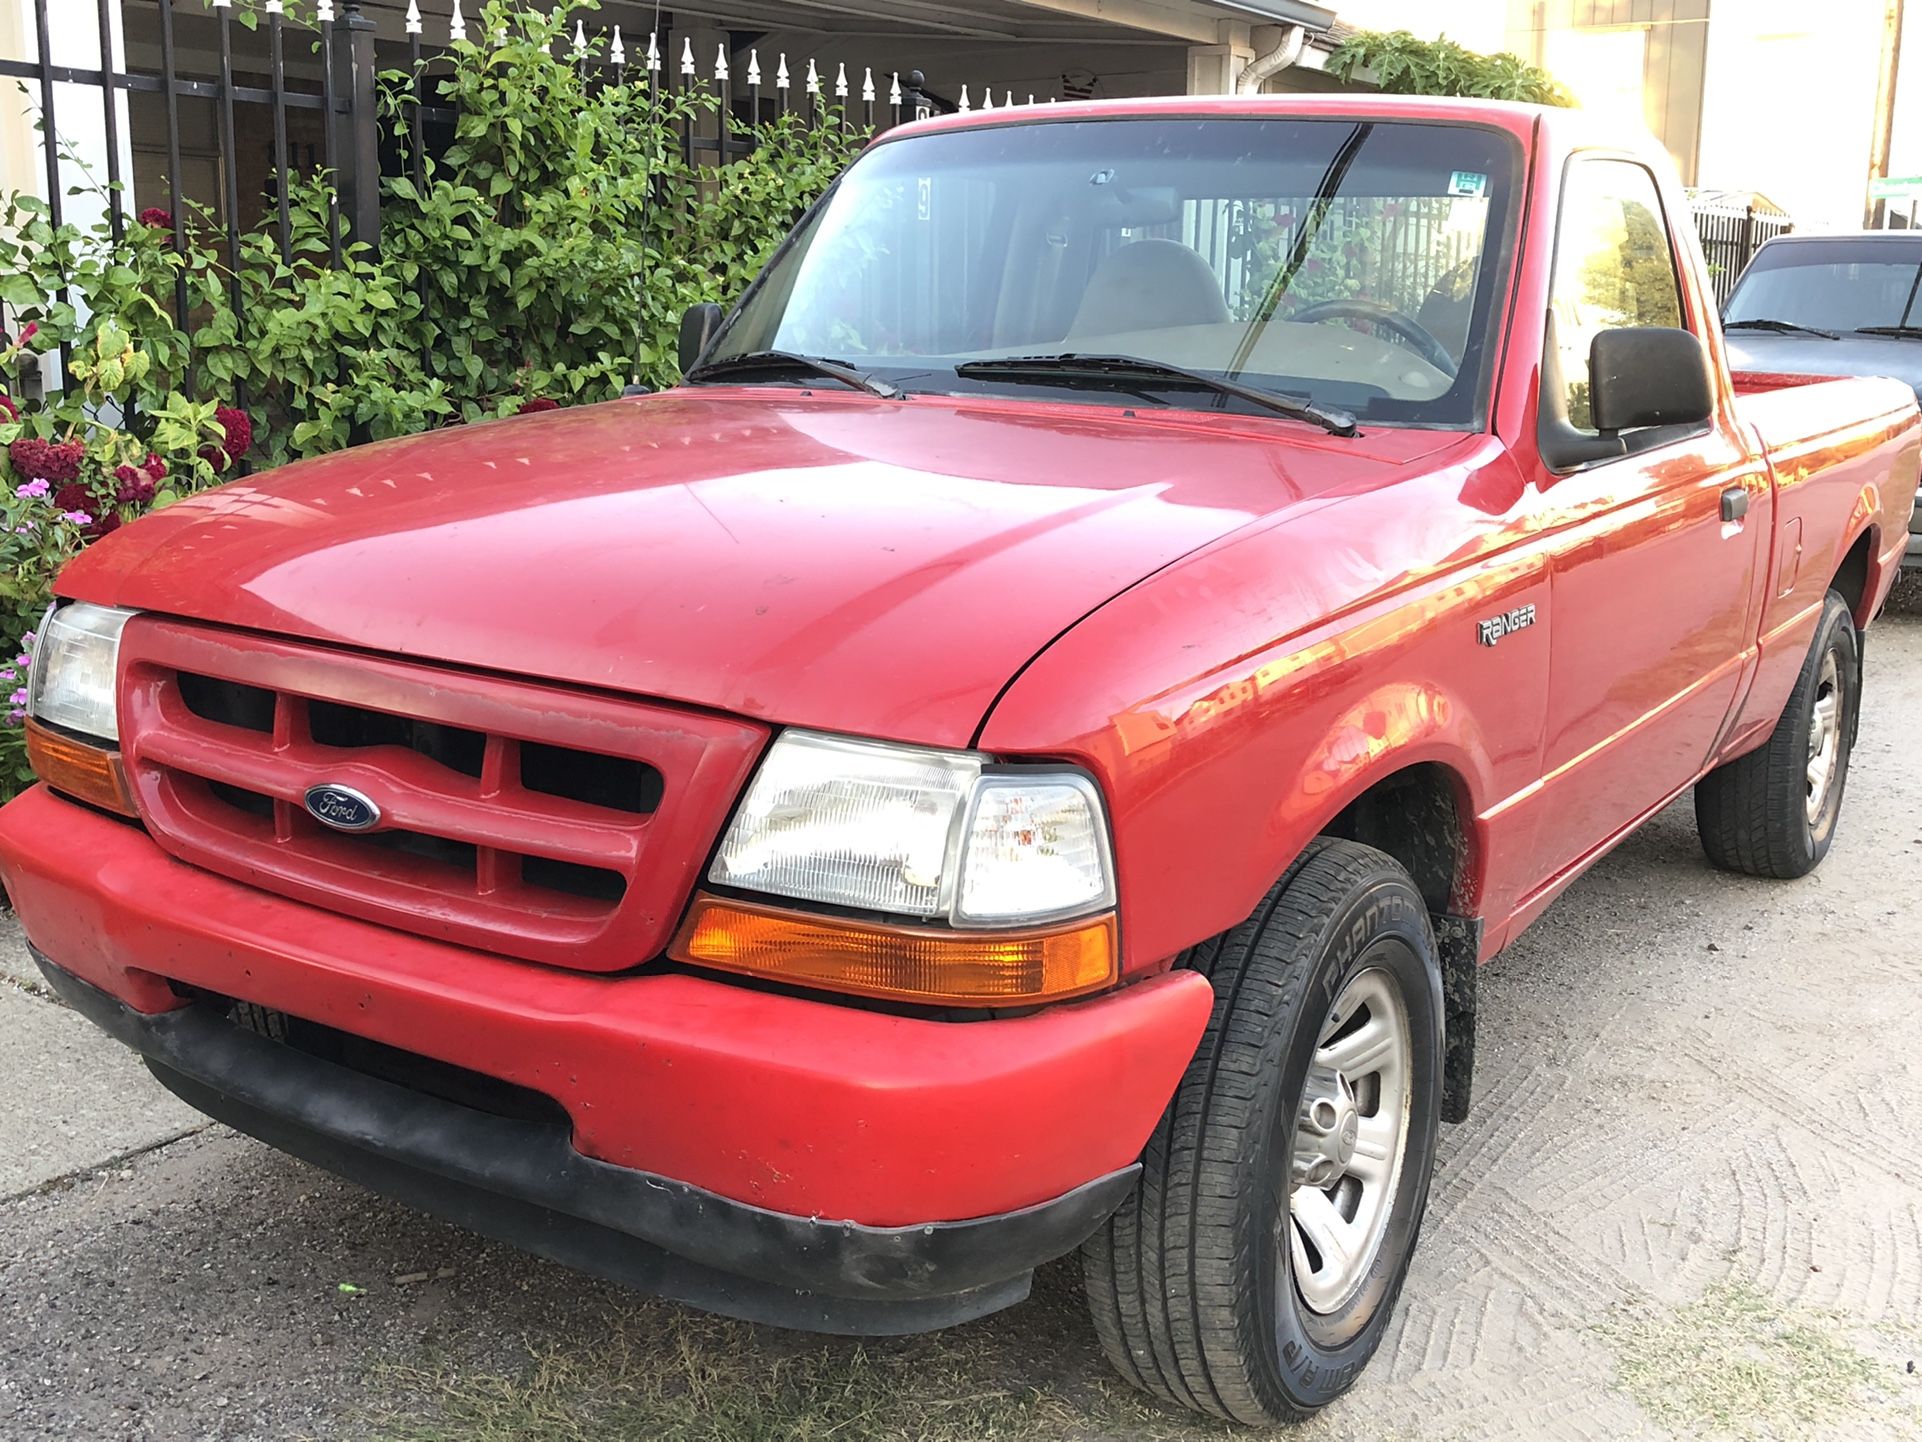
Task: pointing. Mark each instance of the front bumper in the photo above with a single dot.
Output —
(522, 1182)
(787, 1159)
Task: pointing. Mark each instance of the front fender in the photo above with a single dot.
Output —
(1220, 776)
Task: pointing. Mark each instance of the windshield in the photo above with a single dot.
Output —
(1353, 264)
(1830, 284)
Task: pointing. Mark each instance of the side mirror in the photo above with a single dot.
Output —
(1640, 376)
(698, 327)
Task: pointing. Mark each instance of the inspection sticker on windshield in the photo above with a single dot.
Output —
(1467, 182)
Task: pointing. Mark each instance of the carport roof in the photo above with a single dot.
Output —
(1014, 21)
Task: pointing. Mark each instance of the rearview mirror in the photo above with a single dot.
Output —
(698, 328)
(1640, 376)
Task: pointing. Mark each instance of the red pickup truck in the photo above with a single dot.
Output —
(1025, 750)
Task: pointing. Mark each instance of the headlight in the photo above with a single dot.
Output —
(75, 658)
(906, 831)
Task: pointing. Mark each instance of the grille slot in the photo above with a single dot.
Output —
(424, 1074)
(228, 702)
(439, 849)
(555, 826)
(615, 782)
(352, 728)
(570, 879)
(241, 799)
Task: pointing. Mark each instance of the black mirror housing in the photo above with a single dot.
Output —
(698, 328)
(1640, 376)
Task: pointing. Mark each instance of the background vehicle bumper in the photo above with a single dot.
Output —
(780, 1104)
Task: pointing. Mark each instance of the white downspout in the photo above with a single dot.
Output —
(1274, 62)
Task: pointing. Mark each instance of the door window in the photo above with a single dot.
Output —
(1613, 267)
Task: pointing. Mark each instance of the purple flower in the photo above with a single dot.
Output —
(22, 661)
(8, 675)
(18, 698)
(76, 518)
(31, 491)
(26, 641)
(16, 716)
(26, 528)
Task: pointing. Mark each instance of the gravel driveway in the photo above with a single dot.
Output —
(1688, 1204)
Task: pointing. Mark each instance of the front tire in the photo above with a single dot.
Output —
(1254, 1270)
(1773, 811)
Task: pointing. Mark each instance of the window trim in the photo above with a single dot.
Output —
(1552, 409)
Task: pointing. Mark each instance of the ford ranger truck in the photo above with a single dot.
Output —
(1024, 750)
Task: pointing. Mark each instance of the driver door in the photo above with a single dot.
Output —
(1650, 585)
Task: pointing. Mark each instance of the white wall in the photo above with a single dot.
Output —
(1789, 104)
(1478, 24)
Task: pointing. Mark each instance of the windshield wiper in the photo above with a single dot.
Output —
(1783, 326)
(1901, 332)
(1072, 364)
(783, 360)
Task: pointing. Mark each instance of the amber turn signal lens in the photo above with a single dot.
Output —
(78, 769)
(900, 963)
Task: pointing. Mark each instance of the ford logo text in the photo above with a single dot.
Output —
(342, 808)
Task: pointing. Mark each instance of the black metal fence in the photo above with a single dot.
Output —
(1730, 237)
(344, 106)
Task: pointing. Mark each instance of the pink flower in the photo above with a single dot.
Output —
(7, 405)
(155, 468)
(19, 698)
(27, 333)
(16, 716)
(156, 217)
(32, 490)
(76, 518)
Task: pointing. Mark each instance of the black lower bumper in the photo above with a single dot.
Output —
(523, 1182)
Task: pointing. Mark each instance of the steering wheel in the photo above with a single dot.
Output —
(1388, 318)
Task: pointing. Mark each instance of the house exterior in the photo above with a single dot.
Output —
(1044, 49)
(1804, 103)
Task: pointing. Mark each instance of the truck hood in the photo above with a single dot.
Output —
(875, 567)
(1813, 355)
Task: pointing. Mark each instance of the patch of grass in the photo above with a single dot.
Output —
(1734, 1363)
(666, 1374)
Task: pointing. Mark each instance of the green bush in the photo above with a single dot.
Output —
(1404, 64)
(546, 258)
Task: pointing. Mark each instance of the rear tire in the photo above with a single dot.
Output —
(1773, 812)
(1222, 1285)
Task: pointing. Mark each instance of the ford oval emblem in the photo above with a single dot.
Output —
(342, 808)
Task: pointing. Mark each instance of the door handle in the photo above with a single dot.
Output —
(1734, 503)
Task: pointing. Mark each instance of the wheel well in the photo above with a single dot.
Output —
(1851, 581)
(1414, 816)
